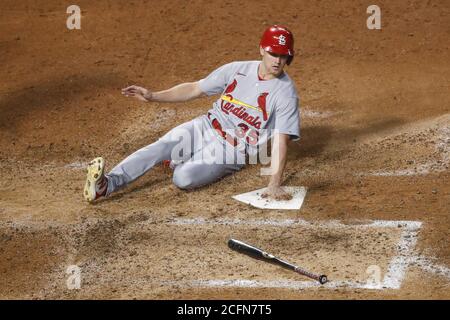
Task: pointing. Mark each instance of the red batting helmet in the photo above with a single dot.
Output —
(279, 40)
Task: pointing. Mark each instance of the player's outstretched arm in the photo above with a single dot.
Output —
(278, 163)
(182, 92)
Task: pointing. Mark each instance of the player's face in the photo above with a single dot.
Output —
(273, 63)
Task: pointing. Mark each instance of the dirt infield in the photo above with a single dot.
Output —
(374, 152)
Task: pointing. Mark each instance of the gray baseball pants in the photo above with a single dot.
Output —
(203, 157)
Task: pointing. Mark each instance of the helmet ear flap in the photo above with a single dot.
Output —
(289, 60)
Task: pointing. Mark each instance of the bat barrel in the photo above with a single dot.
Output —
(246, 248)
(257, 253)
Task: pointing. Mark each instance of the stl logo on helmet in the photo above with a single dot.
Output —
(282, 40)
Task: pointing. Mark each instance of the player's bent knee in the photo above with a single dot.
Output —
(183, 179)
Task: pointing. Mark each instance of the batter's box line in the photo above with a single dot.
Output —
(393, 278)
(429, 265)
(271, 284)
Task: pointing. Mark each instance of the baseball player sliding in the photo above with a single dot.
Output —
(258, 101)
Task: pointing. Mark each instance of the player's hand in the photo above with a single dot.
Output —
(276, 193)
(137, 92)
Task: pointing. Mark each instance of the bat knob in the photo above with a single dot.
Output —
(323, 279)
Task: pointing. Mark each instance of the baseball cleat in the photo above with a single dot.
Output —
(96, 182)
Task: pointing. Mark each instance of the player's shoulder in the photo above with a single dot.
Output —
(286, 86)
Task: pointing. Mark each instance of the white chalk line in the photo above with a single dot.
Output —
(393, 278)
(308, 113)
(428, 265)
(421, 170)
(399, 264)
(408, 225)
(273, 284)
(77, 165)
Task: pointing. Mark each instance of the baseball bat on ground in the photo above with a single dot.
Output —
(257, 253)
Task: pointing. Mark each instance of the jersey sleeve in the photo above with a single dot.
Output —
(287, 118)
(216, 81)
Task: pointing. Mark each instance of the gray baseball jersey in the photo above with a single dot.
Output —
(250, 108)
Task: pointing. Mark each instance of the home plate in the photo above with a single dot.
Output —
(254, 198)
